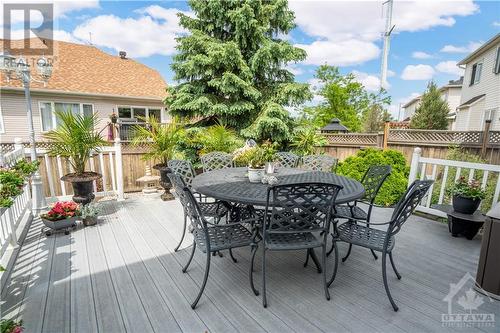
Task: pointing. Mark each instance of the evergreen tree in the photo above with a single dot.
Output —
(374, 118)
(232, 66)
(432, 112)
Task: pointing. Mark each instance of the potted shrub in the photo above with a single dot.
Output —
(254, 158)
(164, 142)
(90, 214)
(75, 139)
(62, 215)
(268, 152)
(466, 195)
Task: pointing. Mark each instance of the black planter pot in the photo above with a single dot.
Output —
(465, 205)
(83, 188)
(165, 181)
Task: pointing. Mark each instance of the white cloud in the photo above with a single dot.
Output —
(472, 46)
(496, 23)
(421, 55)
(449, 67)
(417, 72)
(340, 53)
(390, 73)
(369, 81)
(154, 32)
(294, 69)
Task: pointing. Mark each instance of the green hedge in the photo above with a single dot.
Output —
(395, 185)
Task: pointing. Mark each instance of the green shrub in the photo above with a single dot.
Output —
(394, 186)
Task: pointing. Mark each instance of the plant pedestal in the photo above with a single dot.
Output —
(462, 224)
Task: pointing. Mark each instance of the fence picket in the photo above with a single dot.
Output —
(60, 173)
(104, 176)
(50, 179)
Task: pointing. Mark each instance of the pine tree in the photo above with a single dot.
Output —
(432, 112)
(232, 66)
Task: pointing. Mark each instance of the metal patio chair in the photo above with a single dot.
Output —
(216, 160)
(296, 215)
(208, 237)
(286, 160)
(354, 232)
(319, 163)
(372, 181)
(213, 209)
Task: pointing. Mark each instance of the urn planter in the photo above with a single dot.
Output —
(165, 181)
(82, 184)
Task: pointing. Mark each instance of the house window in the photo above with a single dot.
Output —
(48, 112)
(476, 73)
(131, 112)
(489, 115)
(155, 113)
(496, 70)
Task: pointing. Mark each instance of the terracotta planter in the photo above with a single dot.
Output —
(82, 184)
(465, 205)
(165, 181)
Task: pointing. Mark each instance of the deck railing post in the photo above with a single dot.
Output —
(417, 153)
(387, 129)
(119, 169)
(486, 137)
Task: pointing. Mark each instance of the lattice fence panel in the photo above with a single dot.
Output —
(494, 138)
(435, 137)
(352, 139)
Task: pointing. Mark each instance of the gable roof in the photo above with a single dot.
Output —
(486, 46)
(471, 101)
(86, 69)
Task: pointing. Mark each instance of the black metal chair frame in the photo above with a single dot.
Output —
(286, 159)
(292, 214)
(372, 181)
(379, 240)
(208, 237)
(216, 160)
(324, 163)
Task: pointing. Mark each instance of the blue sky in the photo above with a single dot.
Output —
(429, 37)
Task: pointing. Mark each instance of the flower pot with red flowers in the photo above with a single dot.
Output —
(466, 195)
(62, 215)
(75, 138)
(11, 326)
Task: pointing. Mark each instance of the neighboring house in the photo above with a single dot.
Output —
(450, 93)
(84, 80)
(481, 88)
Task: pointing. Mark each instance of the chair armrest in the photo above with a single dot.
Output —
(370, 223)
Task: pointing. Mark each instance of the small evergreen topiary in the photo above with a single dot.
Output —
(395, 185)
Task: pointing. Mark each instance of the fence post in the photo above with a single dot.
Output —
(387, 126)
(417, 153)
(380, 140)
(119, 169)
(486, 137)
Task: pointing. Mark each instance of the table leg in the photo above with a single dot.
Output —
(315, 259)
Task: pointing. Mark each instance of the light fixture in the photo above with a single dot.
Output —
(44, 68)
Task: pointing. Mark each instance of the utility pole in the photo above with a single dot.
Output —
(387, 40)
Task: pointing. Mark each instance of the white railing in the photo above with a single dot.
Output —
(107, 162)
(439, 170)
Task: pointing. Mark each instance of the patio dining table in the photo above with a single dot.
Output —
(232, 185)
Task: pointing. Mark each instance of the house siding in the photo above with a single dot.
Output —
(15, 120)
(489, 84)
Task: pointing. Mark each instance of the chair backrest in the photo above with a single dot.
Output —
(319, 163)
(184, 169)
(300, 207)
(407, 204)
(286, 160)
(188, 202)
(373, 180)
(216, 160)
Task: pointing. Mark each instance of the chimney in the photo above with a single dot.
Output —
(123, 54)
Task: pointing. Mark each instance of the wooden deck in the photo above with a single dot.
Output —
(123, 276)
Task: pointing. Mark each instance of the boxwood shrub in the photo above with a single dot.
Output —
(395, 185)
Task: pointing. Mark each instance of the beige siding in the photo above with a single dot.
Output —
(453, 97)
(461, 121)
(489, 84)
(410, 109)
(15, 119)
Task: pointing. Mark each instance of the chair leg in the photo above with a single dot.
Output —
(348, 253)
(232, 256)
(336, 264)
(394, 266)
(204, 283)
(183, 233)
(254, 251)
(190, 258)
(307, 259)
(384, 276)
(323, 257)
(315, 260)
(331, 249)
(374, 255)
(264, 298)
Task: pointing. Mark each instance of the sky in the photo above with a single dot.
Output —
(429, 38)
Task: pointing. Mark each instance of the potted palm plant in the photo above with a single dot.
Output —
(164, 142)
(75, 138)
(467, 195)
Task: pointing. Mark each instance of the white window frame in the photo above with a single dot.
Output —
(476, 81)
(162, 109)
(53, 109)
(2, 124)
(490, 114)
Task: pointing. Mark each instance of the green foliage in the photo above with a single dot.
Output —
(306, 139)
(90, 210)
(11, 326)
(394, 186)
(164, 139)
(253, 157)
(432, 112)
(25, 168)
(374, 119)
(344, 98)
(467, 189)
(75, 138)
(232, 65)
(11, 183)
(218, 138)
